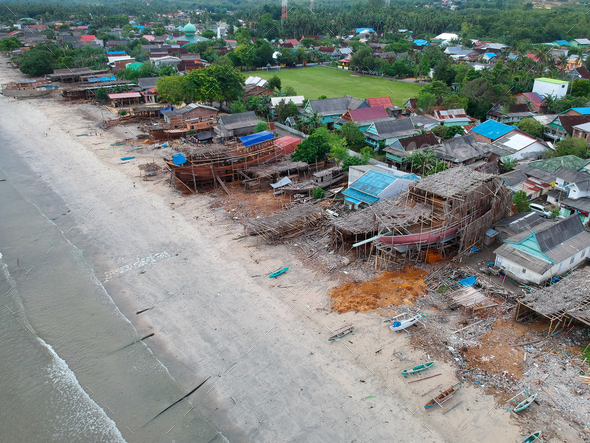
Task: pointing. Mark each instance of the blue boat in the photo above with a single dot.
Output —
(282, 271)
(127, 158)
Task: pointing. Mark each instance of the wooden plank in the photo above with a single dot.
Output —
(425, 378)
(223, 185)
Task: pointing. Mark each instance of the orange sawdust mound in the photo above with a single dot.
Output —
(390, 288)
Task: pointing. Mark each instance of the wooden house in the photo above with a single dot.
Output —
(192, 112)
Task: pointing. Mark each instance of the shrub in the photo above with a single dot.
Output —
(122, 112)
(318, 193)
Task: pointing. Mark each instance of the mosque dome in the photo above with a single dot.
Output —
(190, 29)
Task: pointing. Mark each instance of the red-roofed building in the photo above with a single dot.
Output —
(379, 101)
(365, 114)
(38, 27)
(10, 34)
(88, 38)
(288, 144)
(535, 102)
(124, 99)
(293, 41)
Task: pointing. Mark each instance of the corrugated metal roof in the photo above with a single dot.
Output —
(287, 140)
(360, 196)
(582, 111)
(364, 114)
(125, 95)
(379, 101)
(492, 129)
(372, 183)
(254, 139)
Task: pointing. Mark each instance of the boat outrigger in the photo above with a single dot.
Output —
(419, 368)
(341, 333)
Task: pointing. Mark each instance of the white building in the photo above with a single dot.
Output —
(550, 86)
(547, 249)
(518, 145)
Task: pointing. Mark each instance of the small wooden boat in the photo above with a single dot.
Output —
(405, 323)
(127, 158)
(523, 400)
(443, 397)
(282, 271)
(341, 333)
(535, 436)
(419, 368)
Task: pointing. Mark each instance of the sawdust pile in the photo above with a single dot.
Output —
(390, 288)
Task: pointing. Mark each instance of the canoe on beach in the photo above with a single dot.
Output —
(419, 368)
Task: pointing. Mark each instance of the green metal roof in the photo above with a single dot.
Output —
(552, 80)
(553, 164)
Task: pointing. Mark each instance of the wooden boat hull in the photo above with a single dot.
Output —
(448, 392)
(429, 237)
(282, 271)
(533, 437)
(341, 334)
(171, 134)
(525, 403)
(418, 368)
(405, 323)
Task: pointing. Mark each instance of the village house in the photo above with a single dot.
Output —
(545, 169)
(534, 101)
(166, 60)
(375, 186)
(454, 117)
(424, 122)
(534, 188)
(577, 111)
(402, 147)
(582, 131)
(393, 111)
(297, 100)
(509, 114)
(517, 223)
(193, 112)
(236, 125)
(387, 132)
(518, 145)
(489, 131)
(124, 99)
(467, 151)
(571, 192)
(563, 125)
(545, 250)
(363, 117)
(549, 86)
(330, 109)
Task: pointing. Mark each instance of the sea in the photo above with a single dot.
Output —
(72, 366)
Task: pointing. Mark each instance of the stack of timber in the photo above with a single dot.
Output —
(288, 224)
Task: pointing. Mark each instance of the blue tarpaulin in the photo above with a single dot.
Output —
(102, 79)
(254, 139)
(469, 281)
(179, 159)
(116, 53)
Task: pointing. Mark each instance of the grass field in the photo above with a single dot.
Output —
(317, 81)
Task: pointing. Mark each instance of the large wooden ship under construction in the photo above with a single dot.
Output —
(226, 162)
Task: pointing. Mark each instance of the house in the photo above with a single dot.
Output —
(236, 125)
(424, 122)
(454, 117)
(545, 250)
(115, 43)
(445, 38)
(356, 171)
(387, 132)
(402, 147)
(194, 112)
(288, 144)
(509, 114)
(533, 101)
(124, 99)
(90, 40)
(488, 57)
(489, 131)
(580, 72)
(375, 186)
(467, 151)
(518, 145)
(341, 52)
(146, 83)
(330, 109)
(379, 101)
(421, 43)
(411, 104)
(571, 192)
(517, 223)
(582, 131)
(580, 43)
(563, 125)
(363, 117)
(578, 111)
(297, 100)
(550, 87)
(166, 60)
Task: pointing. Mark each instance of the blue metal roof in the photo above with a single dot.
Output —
(254, 139)
(116, 53)
(490, 54)
(492, 129)
(421, 42)
(360, 196)
(583, 111)
(562, 42)
(359, 30)
(352, 200)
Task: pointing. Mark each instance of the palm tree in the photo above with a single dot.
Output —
(313, 121)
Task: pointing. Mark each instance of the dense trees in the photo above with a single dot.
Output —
(571, 146)
(36, 62)
(10, 44)
(531, 126)
(171, 89)
(355, 139)
(314, 148)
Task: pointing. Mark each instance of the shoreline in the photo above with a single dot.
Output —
(274, 375)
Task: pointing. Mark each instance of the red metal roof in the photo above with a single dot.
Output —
(287, 140)
(87, 38)
(125, 95)
(379, 101)
(364, 114)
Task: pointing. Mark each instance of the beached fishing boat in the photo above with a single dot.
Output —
(443, 397)
(226, 162)
(401, 324)
(522, 400)
(419, 368)
(535, 436)
(341, 333)
(282, 271)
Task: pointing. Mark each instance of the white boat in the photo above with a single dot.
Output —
(403, 323)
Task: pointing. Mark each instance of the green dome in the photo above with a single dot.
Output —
(190, 29)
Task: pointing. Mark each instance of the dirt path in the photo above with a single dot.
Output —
(216, 313)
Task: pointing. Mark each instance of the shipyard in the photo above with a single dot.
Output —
(279, 266)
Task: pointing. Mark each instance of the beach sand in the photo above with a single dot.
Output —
(263, 342)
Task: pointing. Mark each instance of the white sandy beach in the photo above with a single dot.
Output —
(273, 373)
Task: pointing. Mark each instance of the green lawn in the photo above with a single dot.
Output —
(317, 81)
